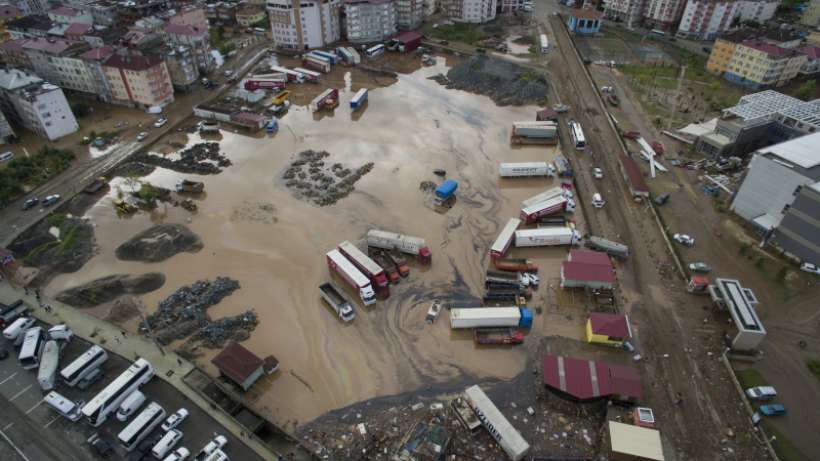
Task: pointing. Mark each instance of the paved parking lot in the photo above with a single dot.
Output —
(30, 430)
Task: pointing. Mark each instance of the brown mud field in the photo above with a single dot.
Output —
(255, 231)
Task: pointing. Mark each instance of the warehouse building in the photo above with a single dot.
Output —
(243, 367)
(586, 380)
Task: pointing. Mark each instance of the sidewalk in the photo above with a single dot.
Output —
(169, 366)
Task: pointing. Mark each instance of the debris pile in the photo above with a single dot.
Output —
(110, 287)
(201, 158)
(159, 243)
(505, 82)
(310, 178)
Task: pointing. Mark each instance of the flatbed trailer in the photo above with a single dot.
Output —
(498, 336)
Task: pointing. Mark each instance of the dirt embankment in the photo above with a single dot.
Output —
(508, 84)
(108, 288)
(159, 243)
(312, 179)
(201, 158)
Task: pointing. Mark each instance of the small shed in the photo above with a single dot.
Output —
(241, 366)
(634, 178)
(584, 21)
(408, 41)
(634, 443)
(608, 329)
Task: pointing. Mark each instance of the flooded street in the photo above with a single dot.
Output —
(255, 231)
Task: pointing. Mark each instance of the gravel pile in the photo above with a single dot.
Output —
(159, 243)
(505, 82)
(310, 178)
(201, 158)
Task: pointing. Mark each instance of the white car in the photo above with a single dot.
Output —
(142, 136)
(684, 239)
(175, 419)
(160, 122)
(810, 268)
(761, 392)
(217, 443)
(597, 173)
(531, 278)
(179, 454)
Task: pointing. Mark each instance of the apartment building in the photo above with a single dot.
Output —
(191, 16)
(429, 7)
(58, 61)
(472, 11)
(30, 6)
(663, 14)
(104, 12)
(705, 19)
(182, 67)
(94, 59)
(39, 106)
(68, 15)
(302, 25)
(7, 13)
(138, 80)
(759, 64)
(367, 21)
(724, 46)
(629, 12)
(12, 54)
(248, 15)
(811, 15)
(758, 11)
(409, 13)
(35, 25)
(197, 39)
(812, 65)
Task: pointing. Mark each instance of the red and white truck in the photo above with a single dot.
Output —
(504, 240)
(264, 84)
(546, 195)
(328, 99)
(552, 206)
(368, 267)
(337, 262)
(404, 243)
(547, 236)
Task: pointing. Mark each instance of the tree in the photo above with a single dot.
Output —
(806, 90)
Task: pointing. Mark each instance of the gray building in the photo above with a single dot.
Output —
(182, 67)
(779, 195)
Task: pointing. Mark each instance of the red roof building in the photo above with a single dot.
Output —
(242, 366)
(588, 269)
(582, 379)
(608, 329)
(589, 257)
(634, 178)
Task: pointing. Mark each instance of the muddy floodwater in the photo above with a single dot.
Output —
(255, 231)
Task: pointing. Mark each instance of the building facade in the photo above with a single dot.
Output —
(94, 58)
(39, 106)
(798, 232)
(7, 13)
(628, 12)
(182, 67)
(584, 21)
(430, 7)
(758, 64)
(758, 11)
(138, 80)
(663, 14)
(368, 21)
(249, 15)
(58, 61)
(196, 39)
(471, 11)
(304, 25)
(704, 19)
(31, 6)
(68, 15)
(812, 64)
(409, 13)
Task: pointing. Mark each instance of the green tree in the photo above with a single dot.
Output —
(806, 90)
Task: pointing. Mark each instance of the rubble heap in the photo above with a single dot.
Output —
(505, 82)
(201, 158)
(310, 178)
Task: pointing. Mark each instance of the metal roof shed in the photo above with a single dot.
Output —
(583, 275)
(739, 301)
(628, 442)
(239, 365)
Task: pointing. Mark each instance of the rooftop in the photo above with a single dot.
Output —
(32, 21)
(9, 12)
(588, 272)
(803, 151)
(132, 61)
(236, 362)
(185, 29)
(587, 379)
(771, 35)
(636, 441)
(408, 36)
(636, 180)
(589, 257)
(761, 105)
(586, 14)
(78, 28)
(807, 112)
(813, 52)
(769, 48)
(98, 54)
(51, 45)
(65, 11)
(13, 79)
(611, 325)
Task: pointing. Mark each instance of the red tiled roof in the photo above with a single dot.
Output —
(9, 12)
(586, 14)
(408, 36)
(813, 52)
(236, 362)
(98, 54)
(546, 114)
(77, 28)
(65, 11)
(611, 325)
(587, 379)
(589, 257)
(184, 29)
(636, 181)
(50, 45)
(768, 48)
(587, 272)
(132, 61)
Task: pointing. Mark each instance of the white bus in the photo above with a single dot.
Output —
(545, 44)
(110, 398)
(141, 426)
(83, 365)
(33, 343)
(577, 134)
(374, 51)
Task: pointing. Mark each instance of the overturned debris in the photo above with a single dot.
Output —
(159, 243)
(505, 82)
(201, 158)
(310, 178)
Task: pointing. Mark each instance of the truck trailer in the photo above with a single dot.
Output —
(358, 281)
(552, 206)
(524, 169)
(313, 63)
(490, 317)
(515, 264)
(337, 302)
(546, 236)
(368, 267)
(358, 100)
(504, 239)
(328, 99)
(536, 129)
(546, 195)
(309, 75)
(406, 244)
(498, 336)
(497, 425)
(616, 249)
(264, 84)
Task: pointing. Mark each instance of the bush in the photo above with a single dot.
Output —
(32, 171)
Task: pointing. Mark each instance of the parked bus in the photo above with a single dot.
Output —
(33, 343)
(545, 44)
(375, 51)
(49, 361)
(110, 398)
(84, 365)
(141, 426)
(577, 134)
(62, 405)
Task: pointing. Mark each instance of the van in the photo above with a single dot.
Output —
(65, 407)
(597, 200)
(90, 379)
(217, 455)
(166, 443)
(131, 404)
(6, 156)
(15, 331)
(60, 333)
(11, 312)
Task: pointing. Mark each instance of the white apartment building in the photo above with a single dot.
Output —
(758, 11)
(58, 61)
(663, 14)
(306, 24)
(429, 7)
(473, 11)
(704, 19)
(627, 11)
(409, 13)
(39, 106)
(368, 21)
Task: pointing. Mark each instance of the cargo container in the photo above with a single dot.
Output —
(552, 206)
(345, 54)
(498, 336)
(358, 281)
(535, 129)
(313, 63)
(309, 75)
(49, 361)
(359, 99)
(328, 99)
(368, 267)
(318, 57)
(496, 424)
(616, 249)
(404, 243)
(515, 264)
(504, 239)
(292, 75)
(446, 191)
(405, 42)
(489, 317)
(546, 195)
(357, 58)
(332, 57)
(547, 236)
(524, 169)
(337, 302)
(399, 262)
(264, 84)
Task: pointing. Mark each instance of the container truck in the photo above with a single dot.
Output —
(490, 317)
(546, 195)
(319, 57)
(328, 99)
(309, 75)
(346, 56)
(446, 191)
(357, 58)
(332, 57)
(347, 271)
(267, 84)
(546, 236)
(337, 302)
(368, 267)
(313, 63)
(358, 100)
(292, 75)
(497, 425)
(524, 169)
(399, 262)
(515, 264)
(552, 206)
(506, 277)
(536, 129)
(49, 360)
(616, 249)
(404, 243)
(385, 263)
(504, 239)
(498, 336)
